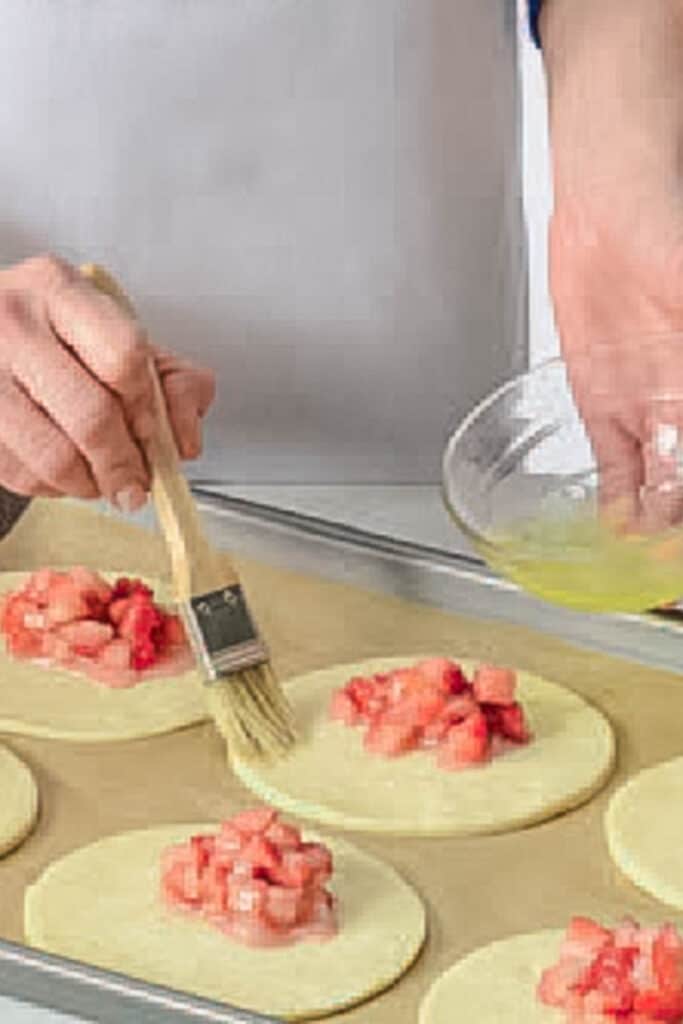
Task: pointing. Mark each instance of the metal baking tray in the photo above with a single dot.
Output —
(93, 995)
(457, 583)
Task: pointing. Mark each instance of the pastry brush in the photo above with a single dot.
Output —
(242, 692)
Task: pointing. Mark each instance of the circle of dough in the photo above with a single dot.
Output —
(330, 778)
(19, 803)
(643, 831)
(100, 905)
(496, 984)
(62, 705)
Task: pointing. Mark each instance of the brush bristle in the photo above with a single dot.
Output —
(252, 713)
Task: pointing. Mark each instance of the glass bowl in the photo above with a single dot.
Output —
(520, 479)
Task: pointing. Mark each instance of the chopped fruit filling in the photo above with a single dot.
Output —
(625, 975)
(111, 632)
(433, 705)
(255, 879)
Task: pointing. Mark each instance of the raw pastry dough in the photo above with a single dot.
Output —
(61, 705)
(331, 779)
(101, 905)
(19, 801)
(643, 827)
(496, 984)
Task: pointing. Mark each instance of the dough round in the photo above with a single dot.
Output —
(330, 778)
(496, 984)
(19, 803)
(643, 830)
(61, 705)
(100, 905)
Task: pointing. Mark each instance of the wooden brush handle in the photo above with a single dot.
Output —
(195, 566)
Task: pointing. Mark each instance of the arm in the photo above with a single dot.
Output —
(615, 77)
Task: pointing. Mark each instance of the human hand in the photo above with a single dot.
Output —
(75, 393)
(616, 240)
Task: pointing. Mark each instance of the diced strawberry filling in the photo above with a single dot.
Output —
(255, 880)
(443, 674)
(465, 743)
(111, 633)
(493, 685)
(432, 705)
(627, 975)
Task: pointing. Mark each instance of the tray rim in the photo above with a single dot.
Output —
(456, 582)
(71, 987)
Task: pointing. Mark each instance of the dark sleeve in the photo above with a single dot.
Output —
(12, 507)
(534, 14)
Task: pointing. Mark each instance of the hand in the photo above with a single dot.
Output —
(75, 394)
(616, 239)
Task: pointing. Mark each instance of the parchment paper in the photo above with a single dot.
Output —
(476, 890)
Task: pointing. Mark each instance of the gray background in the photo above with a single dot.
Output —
(319, 198)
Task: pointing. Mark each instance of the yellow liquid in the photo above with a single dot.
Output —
(582, 564)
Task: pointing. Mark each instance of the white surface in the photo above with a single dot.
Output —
(322, 199)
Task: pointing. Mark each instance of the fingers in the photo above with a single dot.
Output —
(78, 398)
(103, 335)
(189, 391)
(663, 462)
(620, 472)
(207, 391)
(183, 417)
(640, 470)
(203, 379)
(83, 409)
(617, 451)
(35, 453)
(109, 342)
(15, 477)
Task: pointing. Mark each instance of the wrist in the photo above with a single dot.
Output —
(595, 30)
(615, 78)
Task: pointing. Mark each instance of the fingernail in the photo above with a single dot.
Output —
(192, 449)
(130, 499)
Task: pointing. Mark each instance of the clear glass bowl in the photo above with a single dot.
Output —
(521, 480)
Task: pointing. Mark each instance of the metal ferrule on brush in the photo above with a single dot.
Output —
(222, 633)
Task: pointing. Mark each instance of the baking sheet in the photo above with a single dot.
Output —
(476, 890)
